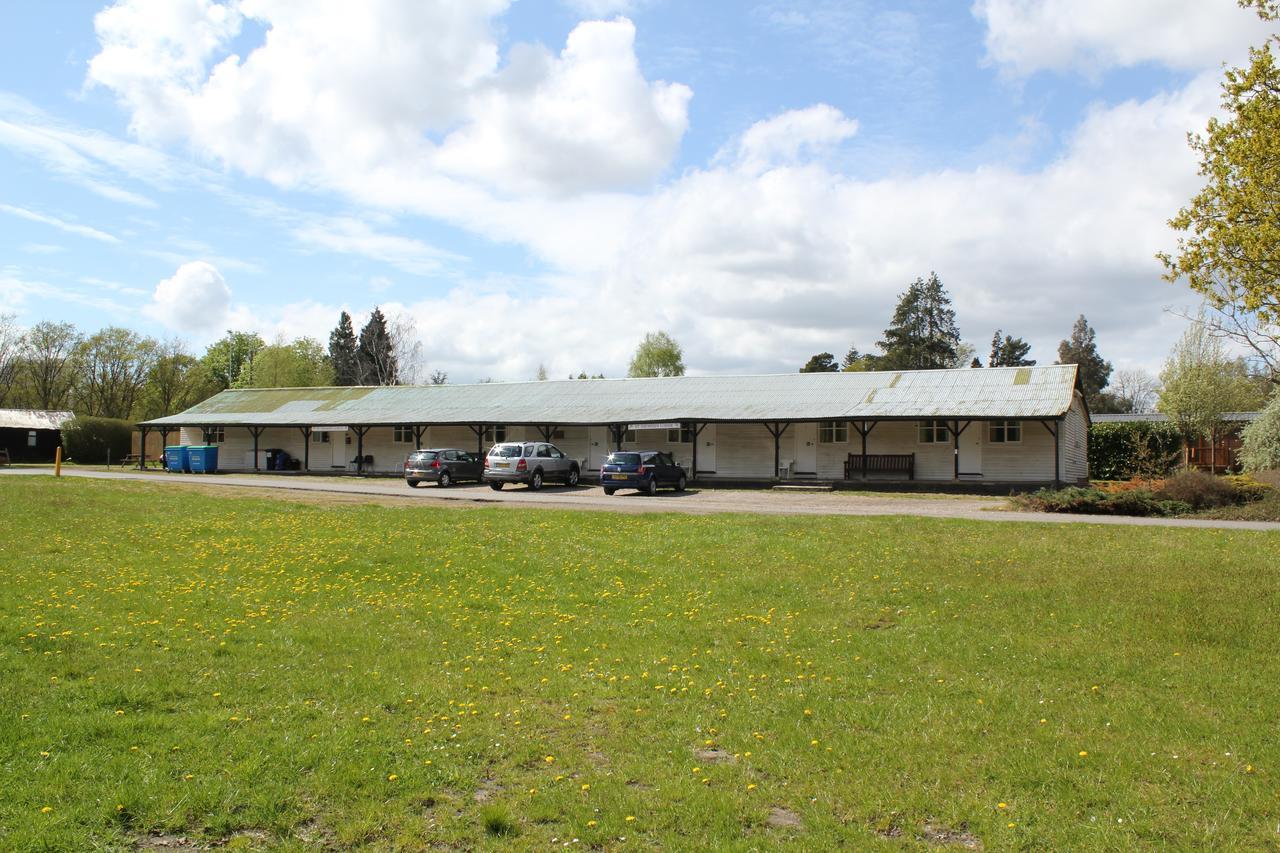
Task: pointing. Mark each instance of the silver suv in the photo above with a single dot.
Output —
(529, 462)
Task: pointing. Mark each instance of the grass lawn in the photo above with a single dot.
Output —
(262, 673)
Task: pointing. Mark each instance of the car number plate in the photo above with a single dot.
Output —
(618, 476)
(502, 465)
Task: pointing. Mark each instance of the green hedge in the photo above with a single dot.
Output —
(86, 440)
(1120, 451)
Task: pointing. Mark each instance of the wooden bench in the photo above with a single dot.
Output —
(880, 463)
(132, 459)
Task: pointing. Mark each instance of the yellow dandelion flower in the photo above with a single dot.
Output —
(1002, 805)
(586, 786)
(549, 758)
(630, 818)
(591, 823)
(751, 787)
(1084, 753)
(391, 777)
(46, 809)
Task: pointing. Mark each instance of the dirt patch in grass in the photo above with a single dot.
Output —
(946, 836)
(783, 818)
(714, 756)
(167, 842)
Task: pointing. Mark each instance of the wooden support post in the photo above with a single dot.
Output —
(617, 431)
(306, 447)
(418, 433)
(257, 431)
(142, 448)
(956, 430)
(360, 431)
(1054, 428)
(478, 429)
(864, 431)
(776, 430)
(547, 432)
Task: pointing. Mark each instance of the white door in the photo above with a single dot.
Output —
(706, 450)
(806, 458)
(598, 446)
(971, 450)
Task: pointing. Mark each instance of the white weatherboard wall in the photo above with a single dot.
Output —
(1075, 443)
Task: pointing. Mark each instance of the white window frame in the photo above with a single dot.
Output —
(682, 435)
(833, 432)
(216, 435)
(402, 435)
(937, 431)
(495, 433)
(629, 436)
(1003, 429)
(33, 438)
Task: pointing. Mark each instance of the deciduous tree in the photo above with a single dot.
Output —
(114, 365)
(228, 356)
(12, 342)
(657, 355)
(1230, 251)
(48, 364)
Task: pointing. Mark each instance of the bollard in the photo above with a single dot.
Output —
(57, 462)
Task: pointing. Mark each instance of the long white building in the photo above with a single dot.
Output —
(995, 425)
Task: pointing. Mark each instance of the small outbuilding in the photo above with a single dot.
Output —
(994, 425)
(31, 435)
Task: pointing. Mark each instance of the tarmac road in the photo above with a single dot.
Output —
(584, 497)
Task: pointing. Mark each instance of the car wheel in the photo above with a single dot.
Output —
(652, 488)
(495, 485)
(445, 480)
(413, 484)
(609, 491)
(572, 479)
(535, 482)
(680, 483)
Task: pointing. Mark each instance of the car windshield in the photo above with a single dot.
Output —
(505, 450)
(623, 459)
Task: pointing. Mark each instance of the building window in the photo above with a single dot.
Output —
(934, 432)
(683, 435)
(833, 432)
(215, 435)
(402, 435)
(629, 436)
(31, 438)
(320, 437)
(1006, 432)
(496, 433)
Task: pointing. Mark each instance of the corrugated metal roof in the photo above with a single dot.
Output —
(1002, 392)
(33, 419)
(1161, 417)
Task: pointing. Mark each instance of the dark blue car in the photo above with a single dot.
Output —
(645, 470)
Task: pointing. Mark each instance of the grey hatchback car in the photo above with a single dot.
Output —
(529, 462)
(443, 466)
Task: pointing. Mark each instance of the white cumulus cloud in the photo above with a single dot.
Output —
(1092, 36)
(195, 299)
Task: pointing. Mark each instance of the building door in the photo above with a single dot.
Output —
(706, 450)
(971, 450)
(599, 444)
(806, 458)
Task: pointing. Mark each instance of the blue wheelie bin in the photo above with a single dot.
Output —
(176, 458)
(204, 459)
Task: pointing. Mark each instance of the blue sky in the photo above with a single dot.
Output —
(543, 182)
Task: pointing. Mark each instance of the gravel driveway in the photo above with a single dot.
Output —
(697, 501)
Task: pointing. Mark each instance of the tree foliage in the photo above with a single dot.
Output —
(1147, 449)
(376, 353)
(12, 343)
(343, 352)
(175, 382)
(114, 364)
(231, 354)
(1009, 352)
(1230, 251)
(823, 362)
(1095, 371)
(657, 355)
(48, 367)
(302, 363)
(1260, 449)
(1134, 390)
(923, 333)
(1201, 382)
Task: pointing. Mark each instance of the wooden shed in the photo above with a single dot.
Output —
(31, 435)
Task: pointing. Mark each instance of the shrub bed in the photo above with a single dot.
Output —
(1182, 494)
